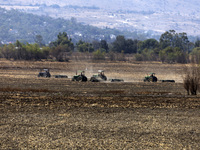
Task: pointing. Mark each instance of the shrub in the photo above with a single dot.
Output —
(195, 55)
(192, 80)
(7, 51)
(98, 55)
(59, 52)
(138, 57)
(173, 55)
(111, 56)
(121, 56)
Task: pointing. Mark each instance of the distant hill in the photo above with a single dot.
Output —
(183, 6)
(156, 16)
(17, 25)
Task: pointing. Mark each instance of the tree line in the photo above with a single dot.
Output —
(172, 47)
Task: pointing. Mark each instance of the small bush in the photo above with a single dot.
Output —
(138, 57)
(187, 84)
(98, 55)
(192, 80)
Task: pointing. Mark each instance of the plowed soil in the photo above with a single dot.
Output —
(51, 113)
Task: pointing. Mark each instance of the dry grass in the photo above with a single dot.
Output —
(129, 71)
(50, 113)
(8, 89)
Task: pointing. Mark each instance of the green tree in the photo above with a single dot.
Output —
(39, 40)
(173, 55)
(84, 46)
(45, 52)
(173, 39)
(131, 46)
(195, 55)
(166, 39)
(20, 51)
(7, 51)
(60, 52)
(119, 44)
(104, 45)
(181, 56)
(96, 44)
(149, 44)
(99, 55)
(62, 39)
(127, 46)
(182, 41)
(35, 52)
(197, 43)
(61, 46)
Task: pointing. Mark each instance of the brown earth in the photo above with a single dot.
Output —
(50, 113)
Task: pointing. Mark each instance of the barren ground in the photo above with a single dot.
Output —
(50, 113)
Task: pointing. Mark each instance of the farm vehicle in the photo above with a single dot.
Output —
(152, 78)
(80, 77)
(98, 77)
(44, 73)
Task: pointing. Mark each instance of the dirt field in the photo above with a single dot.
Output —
(50, 113)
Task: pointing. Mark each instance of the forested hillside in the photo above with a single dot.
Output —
(15, 25)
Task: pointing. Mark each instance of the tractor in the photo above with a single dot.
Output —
(44, 73)
(150, 78)
(98, 77)
(80, 77)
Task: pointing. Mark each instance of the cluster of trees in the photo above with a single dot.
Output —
(171, 48)
(38, 51)
(19, 51)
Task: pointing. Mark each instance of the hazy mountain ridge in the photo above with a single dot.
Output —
(16, 25)
(131, 15)
(184, 6)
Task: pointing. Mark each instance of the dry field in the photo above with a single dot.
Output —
(50, 113)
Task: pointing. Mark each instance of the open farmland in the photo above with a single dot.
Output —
(50, 113)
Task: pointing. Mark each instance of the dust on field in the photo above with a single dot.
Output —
(129, 71)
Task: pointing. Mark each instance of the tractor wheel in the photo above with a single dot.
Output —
(79, 78)
(154, 79)
(104, 78)
(93, 79)
(84, 78)
(47, 75)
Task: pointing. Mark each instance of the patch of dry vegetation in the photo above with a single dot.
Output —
(192, 79)
(41, 113)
